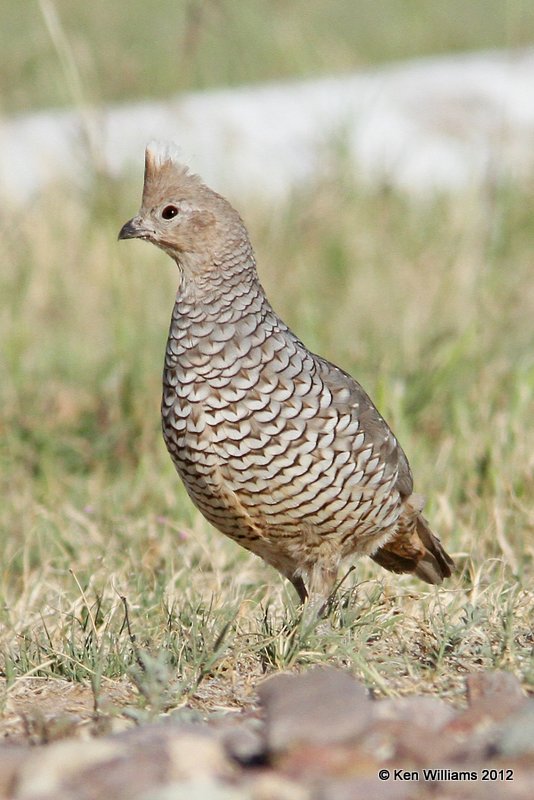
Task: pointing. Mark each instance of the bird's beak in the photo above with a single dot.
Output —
(134, 229)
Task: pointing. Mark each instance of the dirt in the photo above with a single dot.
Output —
(317, 735)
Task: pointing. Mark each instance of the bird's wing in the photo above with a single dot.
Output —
(375, 429)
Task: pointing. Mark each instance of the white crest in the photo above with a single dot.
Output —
(161, 152)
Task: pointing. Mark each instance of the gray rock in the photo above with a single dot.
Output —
(515, 737)
(122, 767)
(200, 788)
(366, 788)
(498, 688)
(427, 713)
(244, 742)
(323, 706)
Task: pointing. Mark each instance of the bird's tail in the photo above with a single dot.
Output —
(415, 548)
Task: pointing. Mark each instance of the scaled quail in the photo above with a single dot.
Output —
(279, 449)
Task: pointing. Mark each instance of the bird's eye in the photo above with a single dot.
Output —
(169, 212)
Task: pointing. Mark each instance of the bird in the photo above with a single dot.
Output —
(281, 450)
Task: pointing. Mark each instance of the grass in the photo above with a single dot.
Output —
(134, 49)
(108, 575)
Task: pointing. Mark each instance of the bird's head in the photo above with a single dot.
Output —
(193, 224)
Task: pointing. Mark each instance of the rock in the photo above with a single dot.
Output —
(122, 767)
(11, 761)
(312, 763)
(270, 786)
(52, 767)
(427, 713)
(405, 743)
(515, 737)
(365, 787)
(193, 754)
(408, 729)
(323, 706)
(492, 697)
(494, 688)
(244, 742)
(199, 788)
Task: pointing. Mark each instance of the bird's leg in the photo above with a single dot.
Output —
(314, 604)
(322, 582)
(298, 583)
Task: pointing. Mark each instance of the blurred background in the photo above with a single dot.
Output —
(428, 300)
(132, 50)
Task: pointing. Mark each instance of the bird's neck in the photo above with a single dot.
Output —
(222, 284)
